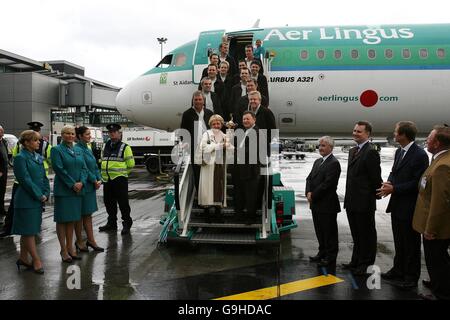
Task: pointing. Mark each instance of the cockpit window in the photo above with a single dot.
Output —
(165, 62)
(180, 60)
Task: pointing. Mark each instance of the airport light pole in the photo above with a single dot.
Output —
(161, 41)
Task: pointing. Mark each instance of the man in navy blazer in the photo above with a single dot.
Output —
(409, 164)
(321, 185)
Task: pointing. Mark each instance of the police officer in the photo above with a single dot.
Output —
(44, 151)
(117, 161)
(44, 145)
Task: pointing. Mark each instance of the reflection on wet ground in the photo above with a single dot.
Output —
(135, 267)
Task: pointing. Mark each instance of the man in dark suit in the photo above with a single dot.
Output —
(224, 56)
(363, 180)
(243, 102)
(265, 119)
(195, 121)
(239, 90)
(265, 122)
(213, 59)
(3, 171)
(237, 77)
(212, 101)
(261, 79)
(217, 85)
(227, 81)
(247, 168)
(249, 58)
(410, 163)
(321, 186)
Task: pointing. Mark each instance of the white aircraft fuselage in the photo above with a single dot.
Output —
(321, 80)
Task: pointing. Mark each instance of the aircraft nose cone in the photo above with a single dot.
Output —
(123, 103)
(123, 99)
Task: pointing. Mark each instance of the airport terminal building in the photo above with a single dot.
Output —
(54, 93)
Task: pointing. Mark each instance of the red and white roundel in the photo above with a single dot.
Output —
(148, 138)
(369, 98)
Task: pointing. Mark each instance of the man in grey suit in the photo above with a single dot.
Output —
(321, 185)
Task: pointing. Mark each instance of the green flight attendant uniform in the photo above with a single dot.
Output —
(89, 202)
(33, 185)
(70, 168)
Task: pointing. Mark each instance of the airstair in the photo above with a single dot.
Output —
(186, 221)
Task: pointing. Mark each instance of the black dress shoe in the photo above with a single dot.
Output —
(424, 296)
(348, 266)
(315, 258)
(426, 283)
(125, 230)
(405, 284)
(359, 271)
(391, 275)
(325, 263)
(107, 227)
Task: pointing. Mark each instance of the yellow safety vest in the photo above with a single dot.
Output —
(117, 161)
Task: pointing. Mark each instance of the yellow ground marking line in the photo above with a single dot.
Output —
(285, 289)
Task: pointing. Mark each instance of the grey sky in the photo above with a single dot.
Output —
(116, 40)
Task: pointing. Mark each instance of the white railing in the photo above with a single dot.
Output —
(267, 201)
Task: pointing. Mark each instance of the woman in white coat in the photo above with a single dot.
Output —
(213, 174)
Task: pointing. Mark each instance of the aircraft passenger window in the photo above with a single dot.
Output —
(304, 55)
(388, 53)
(165, 62)
(441, 53)
(423, 53)
(355, 54)
(406, 53)
(337, 54)
(371, 54)
(321, 54)
(180, 60)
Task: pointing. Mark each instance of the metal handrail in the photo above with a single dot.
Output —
(267, 200)
(176, 180)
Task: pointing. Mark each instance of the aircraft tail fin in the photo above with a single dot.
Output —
(256, 24)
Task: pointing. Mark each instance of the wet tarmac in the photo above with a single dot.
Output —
(136, 267)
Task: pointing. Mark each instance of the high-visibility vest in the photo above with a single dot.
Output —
(117, 160)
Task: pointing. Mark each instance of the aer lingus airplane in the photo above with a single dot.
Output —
(321, 79)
